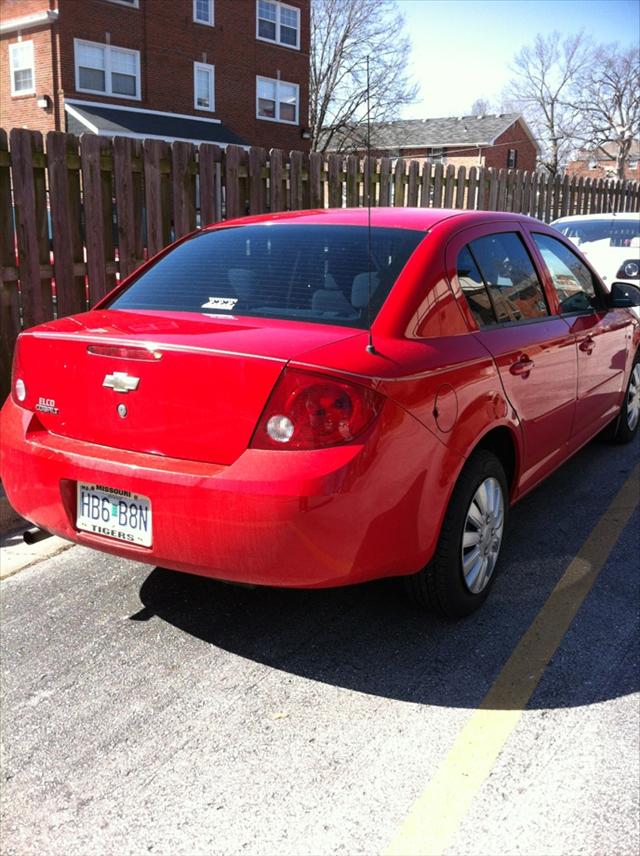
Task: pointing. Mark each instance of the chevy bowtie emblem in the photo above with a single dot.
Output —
(121, 382)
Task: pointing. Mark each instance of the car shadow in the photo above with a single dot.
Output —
(371, 639)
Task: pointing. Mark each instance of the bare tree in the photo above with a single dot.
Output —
(609, 99)
(544, 74)
(481, 107)
(343, 34)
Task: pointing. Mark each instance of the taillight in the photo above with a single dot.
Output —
(313, 411)
(629, 269)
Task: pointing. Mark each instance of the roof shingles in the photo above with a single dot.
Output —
(437, 133)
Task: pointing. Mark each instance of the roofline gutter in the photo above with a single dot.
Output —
(27, 22)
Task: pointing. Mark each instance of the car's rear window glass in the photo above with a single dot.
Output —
(308, 272)
(474, 289)
(507, 269)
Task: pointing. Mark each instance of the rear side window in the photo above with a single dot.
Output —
(572, 279)
(509, 274)
(278, 270)
(474, 290)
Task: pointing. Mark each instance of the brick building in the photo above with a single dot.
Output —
(602, 163)
(498, 141)
(222, 71)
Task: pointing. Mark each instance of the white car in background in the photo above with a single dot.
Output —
(611, 242)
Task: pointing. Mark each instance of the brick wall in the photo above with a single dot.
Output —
(22, 110)
(604, 169)
(169, 42)
(516, 138)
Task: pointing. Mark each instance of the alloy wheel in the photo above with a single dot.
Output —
(633, 398)
(482, 535)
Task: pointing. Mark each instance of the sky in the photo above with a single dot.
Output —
(462, 49)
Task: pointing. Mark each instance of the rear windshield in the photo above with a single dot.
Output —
(312, 273)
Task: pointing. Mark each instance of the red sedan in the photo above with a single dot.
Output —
(294, 400)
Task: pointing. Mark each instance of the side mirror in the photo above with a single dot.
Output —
(624, 295)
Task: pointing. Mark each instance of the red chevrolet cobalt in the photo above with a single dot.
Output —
(292, 400)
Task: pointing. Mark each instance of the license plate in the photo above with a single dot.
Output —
(115, 513)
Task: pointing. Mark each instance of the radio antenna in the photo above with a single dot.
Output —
(370, 348)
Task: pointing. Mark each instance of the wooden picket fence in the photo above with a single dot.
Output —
(79, 213)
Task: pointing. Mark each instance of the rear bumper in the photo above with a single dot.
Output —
(294, 519)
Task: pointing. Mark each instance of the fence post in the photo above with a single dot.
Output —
(525, 200)
(481, 202)
(425, 189)
(516, 202)
(97, 195)
(209, 170)
(335, 181)
(398, 183)
(157, 193)
(472, 189)
(30, 201)
(316, 186)
(460, 187)
(412, 186)
(128, 190)
(66, 222)
(9, 295)
(352, 191)
(277, 200)
(449, 184)
(232, 182)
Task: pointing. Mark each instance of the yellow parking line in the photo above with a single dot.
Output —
(435, 817)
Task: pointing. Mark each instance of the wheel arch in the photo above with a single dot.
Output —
(503, 442)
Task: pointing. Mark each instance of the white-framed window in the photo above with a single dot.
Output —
(277, 100)
(277, 22)
(107, 69)
(204, 86)
(132, 4)
(203, 12)
(21, 68)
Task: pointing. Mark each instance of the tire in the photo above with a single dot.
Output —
(625, 427)
(442, 586)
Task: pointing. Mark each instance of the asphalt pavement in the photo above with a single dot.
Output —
(145, 711)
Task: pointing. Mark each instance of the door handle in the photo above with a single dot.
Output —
(587, 345)
(522, 367)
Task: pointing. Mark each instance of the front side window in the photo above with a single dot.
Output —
(107, 69)
(312, 273)
(277, 22)
(474, 289)
(203, 12)
(510, 277)
(277, 100)
(572, 280)
(203, 84)
(512, 158)
(21, 68)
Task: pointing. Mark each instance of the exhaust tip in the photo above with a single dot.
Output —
(32, 536)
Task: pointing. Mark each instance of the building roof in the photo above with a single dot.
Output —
(467, 131)
(109, 120)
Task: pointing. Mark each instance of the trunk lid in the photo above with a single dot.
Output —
(195, 387)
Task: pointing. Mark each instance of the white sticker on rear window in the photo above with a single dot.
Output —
(220, 303)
